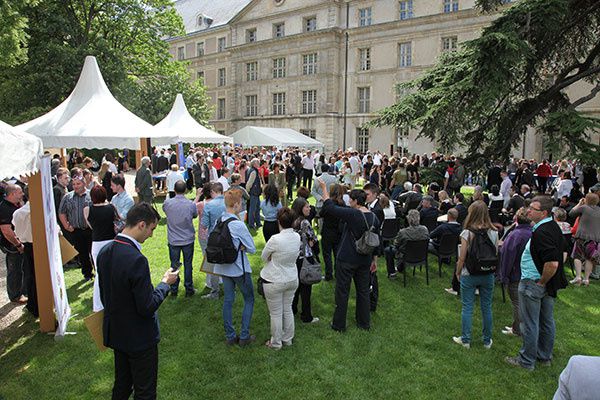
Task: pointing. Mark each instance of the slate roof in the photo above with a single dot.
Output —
(220, 11)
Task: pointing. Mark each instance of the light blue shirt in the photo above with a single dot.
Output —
(528, 269)
(212, 211)
(123, 203)
(241, 236)
(189, 161)
(269, 211)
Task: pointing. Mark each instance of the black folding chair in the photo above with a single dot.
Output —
(415, 254)
(389, 229)
(430, 223)
(448, 248)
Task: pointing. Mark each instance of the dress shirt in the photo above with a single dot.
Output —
(241, 236)
(135, 242)
(308, 163)
(280, 254)
(180, 213)
(123, 203)
(172, 178)
(225, 182)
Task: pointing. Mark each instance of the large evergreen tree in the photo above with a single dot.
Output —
(515, 75)
(127, 38)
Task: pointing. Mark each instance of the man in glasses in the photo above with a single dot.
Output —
(542, 275)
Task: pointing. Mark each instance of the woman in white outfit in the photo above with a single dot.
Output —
(101, 217)
(280, 277)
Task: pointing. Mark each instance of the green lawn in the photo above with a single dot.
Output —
(407, 354)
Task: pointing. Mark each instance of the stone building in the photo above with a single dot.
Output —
(281, 63)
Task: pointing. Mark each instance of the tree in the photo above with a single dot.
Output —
(13, 38)
(515, 75)
(127, 38)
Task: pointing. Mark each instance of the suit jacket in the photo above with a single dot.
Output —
(446, 228)
(143, 181)
(462, 213)
(130, 301)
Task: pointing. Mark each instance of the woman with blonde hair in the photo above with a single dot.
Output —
(477, 223)
(445, 202)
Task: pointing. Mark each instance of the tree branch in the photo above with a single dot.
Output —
(587, 98)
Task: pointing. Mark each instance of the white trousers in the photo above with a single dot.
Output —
(279, 298)
(97, 301)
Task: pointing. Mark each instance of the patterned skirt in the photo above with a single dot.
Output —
(586, 250)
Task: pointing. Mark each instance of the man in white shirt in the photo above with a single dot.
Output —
(505, 188)
(22, 221)
(356, 168)
(224, 179)
(308, 165)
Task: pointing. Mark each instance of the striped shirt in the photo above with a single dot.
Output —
(72, 205)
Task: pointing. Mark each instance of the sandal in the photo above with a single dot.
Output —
(576, 282)
(270, 346)
(585, 282)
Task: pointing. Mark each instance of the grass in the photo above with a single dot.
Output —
(407, 354)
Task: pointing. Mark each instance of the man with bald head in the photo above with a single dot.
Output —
(11, 245)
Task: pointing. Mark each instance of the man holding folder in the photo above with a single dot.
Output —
(130, 303)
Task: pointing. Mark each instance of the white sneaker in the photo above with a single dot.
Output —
(314, 320)
(451, 291)
(458, 340)
(489, 345)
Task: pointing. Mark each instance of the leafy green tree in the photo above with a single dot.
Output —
(13, 38)
(484, 96)
(127, 38)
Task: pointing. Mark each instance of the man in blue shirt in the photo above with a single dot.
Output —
(121, 199)
(181, 234)
(542, 276)
(238, 273)
(212, 212)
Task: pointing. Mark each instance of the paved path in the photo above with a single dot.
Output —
(9, 312)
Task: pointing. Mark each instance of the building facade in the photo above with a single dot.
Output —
(282, 63)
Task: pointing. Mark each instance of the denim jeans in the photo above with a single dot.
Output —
(245, 284)
(536, 310)
(15, 284)
(254, 212)
(188, 256)
(485, 284)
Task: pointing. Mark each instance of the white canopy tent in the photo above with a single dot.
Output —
(90, 118)
(21, 152)
(279, 137)
(180, 126)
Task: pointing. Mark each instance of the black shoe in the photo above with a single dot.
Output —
(328, 277)
(190, 293)
(245, 342)
(231, 342)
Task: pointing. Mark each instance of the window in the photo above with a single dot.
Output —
(200, 75)
(362, 140)
(311, 133)
(252, 106)
(251, 71)
(279, 30)
(364, 99)
(199, 49)
(364, 16)
(278, 103)
(221, 109)
(251, 35)
(405, 54)
(279, 67)
(310, 24)
(406, 9)
(309, 101)
(449, 43)
(450, 6)
(221, 44)
(181, 53)
(364, 56)
(309, 64)
(222, 77)
(221, 132)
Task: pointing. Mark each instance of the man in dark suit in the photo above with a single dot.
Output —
(372, 191)
(452, 227)
(526, 192)
(130, 302)
(143, 182)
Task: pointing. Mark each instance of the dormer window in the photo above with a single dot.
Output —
(203, 21)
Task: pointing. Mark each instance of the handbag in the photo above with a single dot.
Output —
(310, 272)
(260, 289)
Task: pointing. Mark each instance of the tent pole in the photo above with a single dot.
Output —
(40, 255)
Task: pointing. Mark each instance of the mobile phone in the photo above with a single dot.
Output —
(176, 267)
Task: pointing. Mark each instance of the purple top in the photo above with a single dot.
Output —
(510, 254)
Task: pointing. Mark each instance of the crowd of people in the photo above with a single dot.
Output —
(520, 226)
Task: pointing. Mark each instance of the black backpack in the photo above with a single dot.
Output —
(482, 255)
(219, 247)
